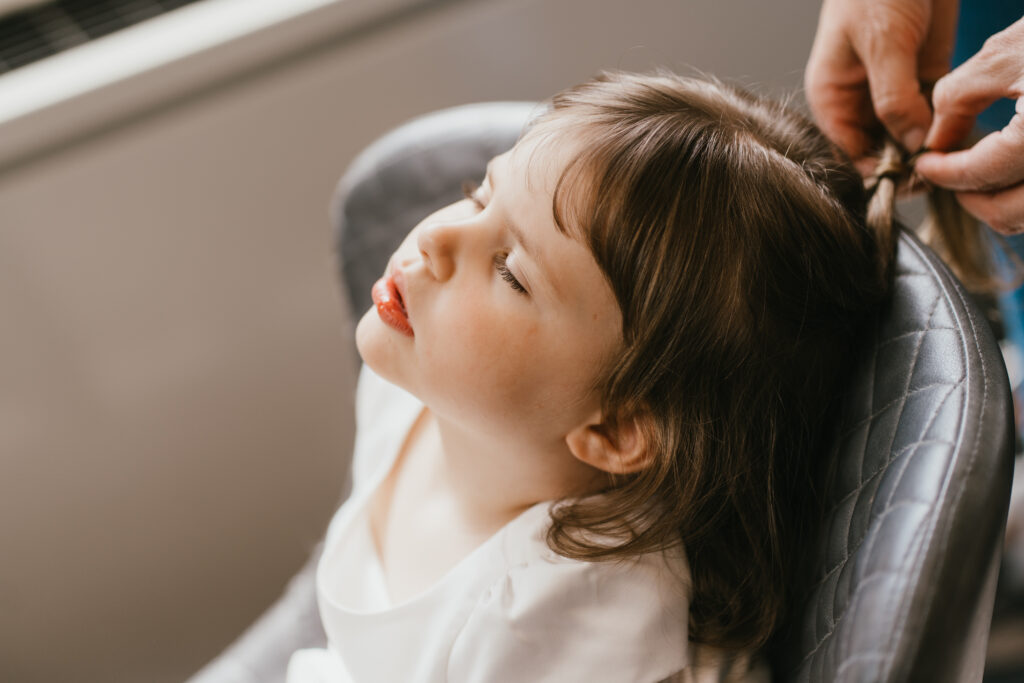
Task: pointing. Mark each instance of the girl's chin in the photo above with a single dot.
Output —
(371, 334)
(376, 343)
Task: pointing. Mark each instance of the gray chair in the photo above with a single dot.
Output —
(906, 562)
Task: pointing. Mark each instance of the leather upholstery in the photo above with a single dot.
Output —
(905, 571)
(261, 653)
(905, 566)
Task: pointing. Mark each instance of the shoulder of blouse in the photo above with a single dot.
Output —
(553, 618)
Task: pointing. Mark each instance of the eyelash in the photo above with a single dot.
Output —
(505, 273)
(469, 189)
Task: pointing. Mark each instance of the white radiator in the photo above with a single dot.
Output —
(92, 87)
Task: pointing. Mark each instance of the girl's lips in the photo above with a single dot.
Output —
(390, 307)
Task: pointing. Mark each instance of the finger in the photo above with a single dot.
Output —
(850, 137)
(994, 162)
(962, 94)
(1003, 211)
(846, 118)
(841, 106)
(896, 92)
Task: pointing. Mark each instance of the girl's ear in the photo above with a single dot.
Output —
(622, 450)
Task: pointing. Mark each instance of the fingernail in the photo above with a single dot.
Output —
(913, 139)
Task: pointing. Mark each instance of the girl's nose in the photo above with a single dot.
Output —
(437, 243)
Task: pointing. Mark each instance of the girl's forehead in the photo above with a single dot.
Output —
(547, 158)
(541, 156)
(533, 155)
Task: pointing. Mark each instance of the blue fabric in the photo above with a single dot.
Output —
(980, 19)
(1011, 304)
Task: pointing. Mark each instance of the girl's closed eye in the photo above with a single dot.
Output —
(501, 266)
(471, 190)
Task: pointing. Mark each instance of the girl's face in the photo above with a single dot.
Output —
(489, 314)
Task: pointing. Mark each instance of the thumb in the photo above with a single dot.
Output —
(896, 93)
(995, 162)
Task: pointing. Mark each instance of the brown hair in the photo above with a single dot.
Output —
(736, 240)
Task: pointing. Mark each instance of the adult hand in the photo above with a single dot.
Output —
(988, 175)
(866, 69)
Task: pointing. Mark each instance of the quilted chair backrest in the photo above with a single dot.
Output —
(906, 565)
(906, 562)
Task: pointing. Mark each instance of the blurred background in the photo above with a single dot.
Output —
(176, 365)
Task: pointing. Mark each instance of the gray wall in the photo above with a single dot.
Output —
(174, 360)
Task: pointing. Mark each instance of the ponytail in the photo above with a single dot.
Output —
(881, 210)
(959, 239)
(953, 233)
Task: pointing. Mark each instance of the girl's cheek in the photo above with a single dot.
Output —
(481, 344)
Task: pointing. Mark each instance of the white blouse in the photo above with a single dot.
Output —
(512, 610)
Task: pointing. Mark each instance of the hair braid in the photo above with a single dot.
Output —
(948, 229)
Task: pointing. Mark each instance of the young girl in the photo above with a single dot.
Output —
(593, 397)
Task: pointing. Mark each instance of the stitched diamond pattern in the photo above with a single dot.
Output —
(900, 445)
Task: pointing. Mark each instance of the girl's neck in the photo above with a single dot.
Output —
(450, 490)
(494, 480)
